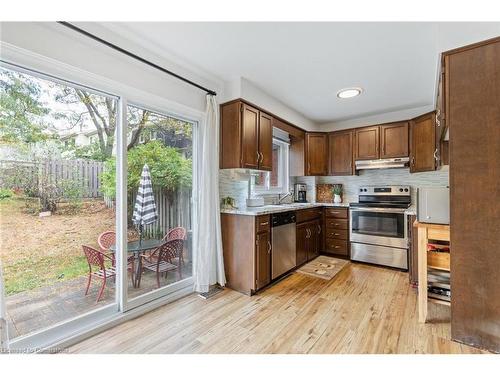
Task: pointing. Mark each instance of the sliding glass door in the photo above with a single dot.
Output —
(96, 199)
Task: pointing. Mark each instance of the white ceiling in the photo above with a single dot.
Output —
(305, 64)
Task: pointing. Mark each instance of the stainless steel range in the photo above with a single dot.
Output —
(378, 225)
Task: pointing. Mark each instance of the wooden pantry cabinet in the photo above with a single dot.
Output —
(246, 136)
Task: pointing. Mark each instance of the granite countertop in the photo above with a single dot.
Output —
(412, 210)
(271, 209)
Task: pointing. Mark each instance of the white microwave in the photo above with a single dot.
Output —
(433, 205)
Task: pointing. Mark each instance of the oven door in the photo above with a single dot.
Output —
(379, 226)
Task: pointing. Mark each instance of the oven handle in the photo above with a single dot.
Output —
(375, 209)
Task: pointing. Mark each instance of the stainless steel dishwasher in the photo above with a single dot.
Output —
(283, 238)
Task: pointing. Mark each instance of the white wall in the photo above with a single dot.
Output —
(56, 42)
(381, 118)
(245, 89)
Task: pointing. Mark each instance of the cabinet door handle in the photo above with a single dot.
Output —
(258, 157)
(268, 247)
(337, 247)
(308, 233)
(319, 229)
(435, 154)
(265, 223)
(336, 234)
(413, 161)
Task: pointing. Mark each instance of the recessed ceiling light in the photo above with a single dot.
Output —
(350, 92)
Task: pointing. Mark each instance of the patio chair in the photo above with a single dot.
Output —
(161, 259)
(97, 258)
(177, 233)
(105, 241)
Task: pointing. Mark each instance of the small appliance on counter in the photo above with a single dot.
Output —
(300, 193)
(433, 205)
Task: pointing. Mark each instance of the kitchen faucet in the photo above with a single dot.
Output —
(280, 198)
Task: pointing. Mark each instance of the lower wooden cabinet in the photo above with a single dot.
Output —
(247, 248)
(263, 260)
(336, 231)
(308, 241)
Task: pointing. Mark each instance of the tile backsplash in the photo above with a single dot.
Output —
(401, 176)
(234, 183)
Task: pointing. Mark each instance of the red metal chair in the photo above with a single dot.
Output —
(161, 259)
(105, 241)
(177, 233)
(97, 258)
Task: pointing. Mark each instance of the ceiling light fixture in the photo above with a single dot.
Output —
(350, 92)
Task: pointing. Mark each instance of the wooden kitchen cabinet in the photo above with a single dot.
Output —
(336, 231)
(245, 137)
(340, 146)
(265, 142)
(394, 140)
(366, 141)
(263, 260)
(423, 143)
(247, 250)
(316, 154)
(308, 234)
(302, 236)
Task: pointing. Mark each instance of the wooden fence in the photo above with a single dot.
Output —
(84, 172)
(173, 209)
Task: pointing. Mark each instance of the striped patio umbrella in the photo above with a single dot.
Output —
(145, 207)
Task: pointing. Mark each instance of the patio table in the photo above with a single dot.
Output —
(138, 248)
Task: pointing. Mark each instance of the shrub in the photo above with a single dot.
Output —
(169, 169)
(5, 193)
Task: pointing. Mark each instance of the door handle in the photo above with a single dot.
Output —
(308, 235)
(268, 247)
(319, 229)
(413, 161)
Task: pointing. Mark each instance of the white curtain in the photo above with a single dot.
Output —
(4, 334)
(209, 263)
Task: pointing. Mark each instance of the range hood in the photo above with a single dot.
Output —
(382, 163)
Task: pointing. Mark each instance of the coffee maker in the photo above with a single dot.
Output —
(299, 193)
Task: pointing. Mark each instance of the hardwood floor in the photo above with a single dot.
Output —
(364, 309)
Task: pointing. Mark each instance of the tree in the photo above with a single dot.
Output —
(169, 169)
(101, 111)
(22, 113)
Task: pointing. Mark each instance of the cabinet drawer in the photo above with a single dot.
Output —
(309, 214)
(263, 223)
(337, 234)
(339, 213)
(438, 260)
(340, 247)
(336, 224)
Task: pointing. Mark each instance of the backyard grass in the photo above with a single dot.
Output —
(41, 251)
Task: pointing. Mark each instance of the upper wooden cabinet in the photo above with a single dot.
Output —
(316, 154)
(367, 143)
(423, 143)
(394, 140)
(265, 141)
(381, 141)
(340, 153)
(250, 156)
(245, 137)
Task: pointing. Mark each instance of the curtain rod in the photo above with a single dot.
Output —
(134, 56)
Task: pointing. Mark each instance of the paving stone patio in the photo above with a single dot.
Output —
(40, 308)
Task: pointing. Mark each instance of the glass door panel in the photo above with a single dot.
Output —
(57, 216)
(159, 217)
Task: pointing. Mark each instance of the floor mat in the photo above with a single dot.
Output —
(323, 267)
